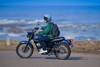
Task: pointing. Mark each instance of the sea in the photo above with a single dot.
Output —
(75, 22)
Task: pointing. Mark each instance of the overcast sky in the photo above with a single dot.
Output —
(49, 2)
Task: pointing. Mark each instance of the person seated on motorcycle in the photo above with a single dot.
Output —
(45, 34)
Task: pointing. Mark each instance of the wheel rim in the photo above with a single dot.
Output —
(25, 53)
(62, 51)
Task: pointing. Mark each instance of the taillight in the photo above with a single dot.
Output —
(71, 40)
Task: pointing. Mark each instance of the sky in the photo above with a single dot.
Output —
(48, 2)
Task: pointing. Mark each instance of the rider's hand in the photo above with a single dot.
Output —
(36, 28)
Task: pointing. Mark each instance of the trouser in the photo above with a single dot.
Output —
(41, 39)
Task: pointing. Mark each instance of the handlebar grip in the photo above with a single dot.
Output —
(36, 28)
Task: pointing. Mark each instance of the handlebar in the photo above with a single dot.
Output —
(36, 28)
(32, 32)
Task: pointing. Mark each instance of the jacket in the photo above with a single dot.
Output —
(47, 30)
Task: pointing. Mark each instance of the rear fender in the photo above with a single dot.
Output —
(25, 42)
(67, 42)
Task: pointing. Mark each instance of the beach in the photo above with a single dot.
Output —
(79, 46)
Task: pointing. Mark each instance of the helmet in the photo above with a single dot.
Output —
(47, 17)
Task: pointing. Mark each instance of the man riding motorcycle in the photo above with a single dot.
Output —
(46, 34)
(47, 42)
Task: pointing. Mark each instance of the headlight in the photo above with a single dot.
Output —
(29, 34)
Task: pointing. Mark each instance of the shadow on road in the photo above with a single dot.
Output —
(54, 58)
(76, 58)
(71, 58)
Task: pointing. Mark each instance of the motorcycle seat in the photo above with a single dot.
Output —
(56, 39)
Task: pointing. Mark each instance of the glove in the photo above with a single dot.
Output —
(36, 28)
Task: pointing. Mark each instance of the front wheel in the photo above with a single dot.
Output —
(21, 52)
(62, 51)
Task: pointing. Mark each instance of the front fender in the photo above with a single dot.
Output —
(25, 42)
(67, 42)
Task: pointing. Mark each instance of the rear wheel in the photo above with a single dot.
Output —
(62, 51)
(21, 52)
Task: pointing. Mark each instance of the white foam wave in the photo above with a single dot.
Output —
(64, 24)
(79, 26)
(71, 36)
(7, 21)
(35, 21)
(2, 33)
(14, 35)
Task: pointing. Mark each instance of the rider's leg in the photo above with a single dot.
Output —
(42, 39)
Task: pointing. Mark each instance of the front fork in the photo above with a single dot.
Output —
(28, 42)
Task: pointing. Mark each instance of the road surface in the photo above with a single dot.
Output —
(10, 59)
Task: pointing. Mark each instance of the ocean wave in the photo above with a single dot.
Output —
(35, 21)
(2, 33)
(9, 34)
(79, 26)
(14, 35)
(7, 21)
(62, 24)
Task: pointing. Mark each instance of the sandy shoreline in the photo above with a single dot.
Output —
(79, 46)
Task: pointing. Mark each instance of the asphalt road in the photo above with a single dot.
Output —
(10, 59)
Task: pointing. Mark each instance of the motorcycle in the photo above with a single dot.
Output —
(58, 46)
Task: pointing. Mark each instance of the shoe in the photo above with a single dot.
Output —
(42, 51)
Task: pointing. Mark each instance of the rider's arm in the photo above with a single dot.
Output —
(46, 30)
(43, 27)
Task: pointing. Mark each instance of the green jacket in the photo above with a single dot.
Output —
(47, 30)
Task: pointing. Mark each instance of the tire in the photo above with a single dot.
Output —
(61, 49)
(22, 46)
